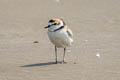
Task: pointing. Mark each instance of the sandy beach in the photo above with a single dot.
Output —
(94, 55)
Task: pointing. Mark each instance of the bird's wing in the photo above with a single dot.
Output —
(69, 32)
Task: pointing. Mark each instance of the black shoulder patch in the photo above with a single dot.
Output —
(59, 28)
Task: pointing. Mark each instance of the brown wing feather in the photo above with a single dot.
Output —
(69, 32)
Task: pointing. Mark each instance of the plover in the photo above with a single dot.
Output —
(60, 35)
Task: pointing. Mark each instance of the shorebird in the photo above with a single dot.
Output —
(60, 35)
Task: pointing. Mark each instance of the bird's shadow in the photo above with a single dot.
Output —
(40, 64)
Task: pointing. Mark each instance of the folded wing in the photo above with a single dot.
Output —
(69, 32)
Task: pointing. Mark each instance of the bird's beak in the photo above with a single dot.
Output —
(47, 26)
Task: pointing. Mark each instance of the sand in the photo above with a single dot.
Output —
(27, 54)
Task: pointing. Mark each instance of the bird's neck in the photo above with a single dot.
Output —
(55, 28)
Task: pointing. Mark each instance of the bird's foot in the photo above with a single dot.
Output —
(63, 62)
(56, 62)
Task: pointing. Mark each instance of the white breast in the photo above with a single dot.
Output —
(60, 38)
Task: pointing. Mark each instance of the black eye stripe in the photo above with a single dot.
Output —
(55, 24)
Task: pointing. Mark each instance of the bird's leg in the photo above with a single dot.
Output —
(56, 53)
(63, 61)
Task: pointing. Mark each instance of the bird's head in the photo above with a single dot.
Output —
(55, 22)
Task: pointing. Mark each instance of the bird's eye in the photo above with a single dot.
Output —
(55, 24)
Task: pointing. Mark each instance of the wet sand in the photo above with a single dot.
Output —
(27, 54)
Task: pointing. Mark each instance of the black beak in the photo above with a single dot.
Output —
(47, 26)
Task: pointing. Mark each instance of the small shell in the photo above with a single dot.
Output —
(98, 55)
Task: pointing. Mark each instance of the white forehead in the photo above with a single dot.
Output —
(50, 23)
